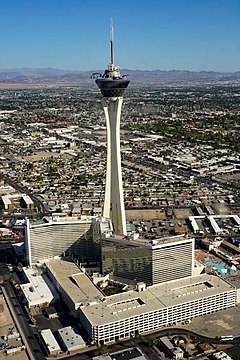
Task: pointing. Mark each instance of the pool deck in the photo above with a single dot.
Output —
(205, 258)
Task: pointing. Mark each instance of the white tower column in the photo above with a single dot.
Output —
(107, 199)
(114, 188)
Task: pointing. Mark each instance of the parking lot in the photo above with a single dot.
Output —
(225, 322)
(7, 329)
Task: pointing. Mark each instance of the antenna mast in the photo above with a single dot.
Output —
(111, 41)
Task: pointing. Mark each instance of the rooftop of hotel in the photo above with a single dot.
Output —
(155, 243)
(155, 297)
(56, 220)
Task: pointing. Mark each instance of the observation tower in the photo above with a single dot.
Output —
(112, 85)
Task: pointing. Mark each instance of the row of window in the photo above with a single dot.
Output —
(154, 320)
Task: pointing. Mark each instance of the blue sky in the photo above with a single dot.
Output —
(149, 34)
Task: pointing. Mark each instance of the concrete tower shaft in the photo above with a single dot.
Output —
(114, 188)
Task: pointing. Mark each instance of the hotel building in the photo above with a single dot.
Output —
(146, 309)
(153, 261)
(59, 237)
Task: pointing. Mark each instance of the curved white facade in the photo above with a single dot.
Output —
(46, 240)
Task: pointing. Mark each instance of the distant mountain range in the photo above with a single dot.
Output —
(51, 75)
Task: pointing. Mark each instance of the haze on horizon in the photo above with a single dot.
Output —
(149, 34)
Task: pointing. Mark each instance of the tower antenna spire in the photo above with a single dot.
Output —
(111, 41)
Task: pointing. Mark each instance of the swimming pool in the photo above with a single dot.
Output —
(222, 269)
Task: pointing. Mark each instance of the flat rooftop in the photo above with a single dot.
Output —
(70, 338)
(59, 221)
(155, 297)
(74, 282)
(156, 243)
(126, 354)
(50, 340)
(27, 199)
(37, 290)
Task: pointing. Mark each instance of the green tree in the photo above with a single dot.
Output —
(103, 349)
(153, 341)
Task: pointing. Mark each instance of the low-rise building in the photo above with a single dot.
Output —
(126, 354)
(174, 351)
(27, 202)
(126, 314)
(6, 202)
(221, 355)
(70, 340)
(50, 342)
(39, 290)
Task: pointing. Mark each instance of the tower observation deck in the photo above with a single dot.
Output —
(112, 85)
